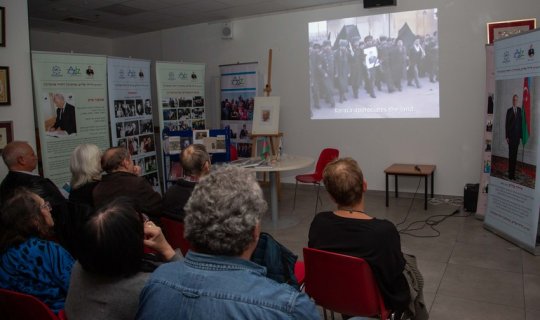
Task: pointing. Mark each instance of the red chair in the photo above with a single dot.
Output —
(20, 306)
(62, 315)
(300, 272)
(233, 153)
(343, 284)
(326, 156)
(174, 233)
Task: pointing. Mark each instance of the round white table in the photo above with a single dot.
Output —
(285, 163)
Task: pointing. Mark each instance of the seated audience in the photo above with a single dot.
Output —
(110, 273)
(217, 280)
(29, 263)
(196, 163)
(351, 231)
(85, 166)
(123, 180)
(21, 161)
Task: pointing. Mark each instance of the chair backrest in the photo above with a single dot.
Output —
(342, 284)
(174, 233)
(233, 153)
(326, 156)
(20, 306)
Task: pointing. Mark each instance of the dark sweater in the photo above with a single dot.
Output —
(176, 198)
(376, 241)
(125, 184)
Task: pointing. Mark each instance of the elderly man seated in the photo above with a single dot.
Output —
(21, 161)
(196, 163)
(217, 280)
(122, 179)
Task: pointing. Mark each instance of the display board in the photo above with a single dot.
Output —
(130, 111)
(181, 100)
(176, 141)
(514, 195)
(239, 84)
(70, 94)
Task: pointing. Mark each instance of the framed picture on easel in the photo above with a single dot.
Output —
(266, 116)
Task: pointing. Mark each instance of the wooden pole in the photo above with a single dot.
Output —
(268, 88)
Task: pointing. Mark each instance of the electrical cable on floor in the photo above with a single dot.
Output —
(411, 205)
(431, 221)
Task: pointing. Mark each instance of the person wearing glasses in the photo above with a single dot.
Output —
(21, 161)
(29, 263)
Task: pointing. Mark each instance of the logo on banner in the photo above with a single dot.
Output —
(238, 81)
(74, 71)
(530, 53)
(506, 57)
(56, 71)
(121, 74)
(519, 54)
(171, 75)
(132, 73)
(193, 76)
(141, 74)
(182, 75)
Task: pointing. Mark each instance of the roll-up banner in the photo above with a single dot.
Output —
(70, 93)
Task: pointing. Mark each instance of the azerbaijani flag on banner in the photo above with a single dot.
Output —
(526, 112)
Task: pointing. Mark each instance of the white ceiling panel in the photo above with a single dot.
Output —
(116, 18)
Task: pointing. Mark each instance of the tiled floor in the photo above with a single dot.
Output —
(469, 272)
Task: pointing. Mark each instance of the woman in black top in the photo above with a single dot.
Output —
(351, 231)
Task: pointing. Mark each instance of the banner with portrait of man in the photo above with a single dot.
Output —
(70, 94)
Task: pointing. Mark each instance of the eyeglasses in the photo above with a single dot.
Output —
(46, 205)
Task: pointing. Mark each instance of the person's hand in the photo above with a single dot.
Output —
(137, 170)
(154, 239)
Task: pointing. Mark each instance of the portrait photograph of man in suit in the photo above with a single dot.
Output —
(65, 116)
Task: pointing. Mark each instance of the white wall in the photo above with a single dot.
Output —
(453, 142)
(69, 42)
(16, 55)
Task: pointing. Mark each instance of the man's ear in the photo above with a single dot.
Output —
(364, 186)
(257, 232)
(206, 167)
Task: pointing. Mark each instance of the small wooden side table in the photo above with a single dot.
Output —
(417, 170)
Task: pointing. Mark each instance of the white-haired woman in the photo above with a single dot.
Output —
(85, 166)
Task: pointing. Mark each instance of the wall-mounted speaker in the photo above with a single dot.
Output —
(227, 30)
(378, 3)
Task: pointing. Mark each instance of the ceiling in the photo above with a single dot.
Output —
(118, 18)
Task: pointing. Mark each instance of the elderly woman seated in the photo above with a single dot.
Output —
(108, 277)
(351, 231)
(217, 280)
(85, 167)
(29, 263)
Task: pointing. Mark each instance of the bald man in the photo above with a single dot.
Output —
(21, 161)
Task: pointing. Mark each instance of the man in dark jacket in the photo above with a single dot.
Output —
(122, 179)
(21, 160)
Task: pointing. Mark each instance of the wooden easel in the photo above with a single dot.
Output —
(273, 138)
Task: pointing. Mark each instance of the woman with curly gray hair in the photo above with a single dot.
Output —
(216, 279)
